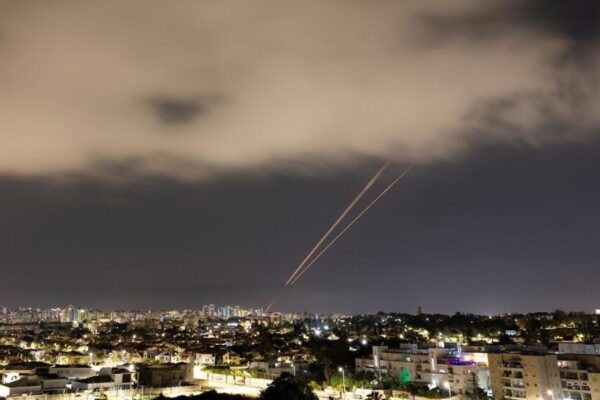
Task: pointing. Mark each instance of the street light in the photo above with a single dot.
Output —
(341, 369)
(447, 386)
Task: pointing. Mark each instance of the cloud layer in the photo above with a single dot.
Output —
(189, 89)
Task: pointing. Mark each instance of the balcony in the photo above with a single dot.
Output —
(512, 365)
(572, 395)
(576, 386)
(569, 375)
(514, 395)
(514, 385)
(512, 374)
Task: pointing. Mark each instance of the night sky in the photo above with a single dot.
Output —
(177, 154)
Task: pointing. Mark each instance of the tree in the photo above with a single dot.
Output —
(210, 395)
(480, 394)
(285, 387)
(422, 390)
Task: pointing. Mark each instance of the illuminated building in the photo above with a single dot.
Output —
(528, 376)
(434, 366)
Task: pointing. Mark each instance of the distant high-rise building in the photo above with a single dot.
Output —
(208, 310)
(224, 312)
(68, 314)
(81, 315)
(3, 314)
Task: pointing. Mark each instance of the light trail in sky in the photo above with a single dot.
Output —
(339, 219)
(391, 185)
(270, 306)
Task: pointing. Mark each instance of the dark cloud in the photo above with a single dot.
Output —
(578, 20)
(563, 108)
(174, 111)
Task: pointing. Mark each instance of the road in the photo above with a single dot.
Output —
(252, 391)
(249, 391)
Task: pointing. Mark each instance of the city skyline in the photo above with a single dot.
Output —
(74, 353)
(25, 314)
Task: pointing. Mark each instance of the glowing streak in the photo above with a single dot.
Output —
(271, 304)
(351, 223)
(342, 215)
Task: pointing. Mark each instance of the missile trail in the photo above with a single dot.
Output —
(271, 304)
(352, 223)
(342, 215)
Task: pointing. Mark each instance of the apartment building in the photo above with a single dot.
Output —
(434, 366)
(530, 376)
(579, 376)
(579, 348)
